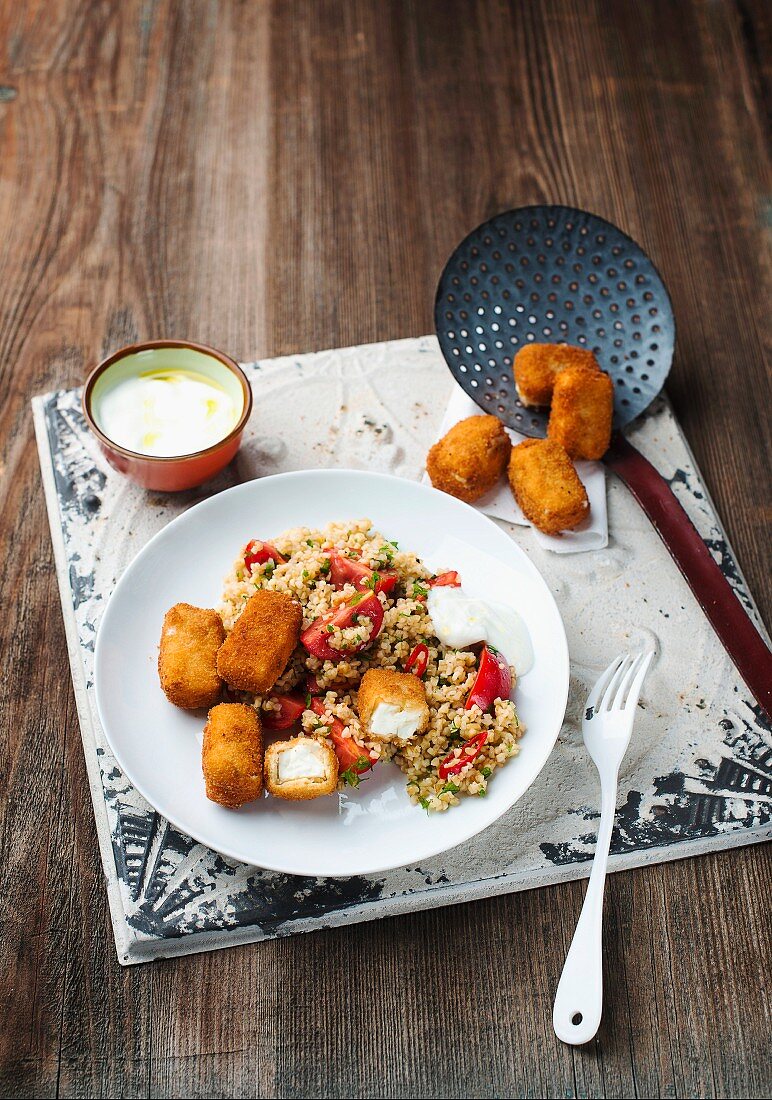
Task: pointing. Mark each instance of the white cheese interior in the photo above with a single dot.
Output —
(302, 761)
(390, 721)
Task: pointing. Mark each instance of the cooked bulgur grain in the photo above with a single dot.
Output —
(449, 674)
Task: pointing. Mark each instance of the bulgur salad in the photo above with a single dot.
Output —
(438, 708)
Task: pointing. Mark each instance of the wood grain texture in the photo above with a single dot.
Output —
(272, 177)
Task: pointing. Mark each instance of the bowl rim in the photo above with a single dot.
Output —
(150, 345)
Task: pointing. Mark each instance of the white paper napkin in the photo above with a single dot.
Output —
(499, 502)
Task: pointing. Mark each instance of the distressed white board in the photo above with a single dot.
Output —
(697, 777)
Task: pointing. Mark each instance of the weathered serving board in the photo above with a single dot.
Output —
(697, 777)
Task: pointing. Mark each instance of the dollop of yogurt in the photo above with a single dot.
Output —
(460, 620)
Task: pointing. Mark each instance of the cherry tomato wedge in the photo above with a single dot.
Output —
(346, 614)
(450, 579)
(290, 709)
(350, 753)
(418, 660)
(470, 750)
(258, 553)
(493, 680)
(345, 570)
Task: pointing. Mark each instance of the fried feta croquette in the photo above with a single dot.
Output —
(536, 367)
(470, 458)
(187, 656)
(546, 486)
(232, 755)
(257, 650)
(300, 768)
(392, 705)
(582, 410)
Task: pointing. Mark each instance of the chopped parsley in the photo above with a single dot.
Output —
(419, 589)
(451, 788)
(482, 792)
(355, 599)
(270, 565)
(350, 778)
(486, 771)
(310, 542)
(425, 803)
(324, 568)
(308, 700)
(373, 581)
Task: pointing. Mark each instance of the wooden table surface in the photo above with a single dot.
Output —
(274, 177)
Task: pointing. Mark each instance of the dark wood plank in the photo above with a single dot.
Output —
(271, 177)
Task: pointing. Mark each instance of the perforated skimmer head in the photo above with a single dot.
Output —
(552, 274)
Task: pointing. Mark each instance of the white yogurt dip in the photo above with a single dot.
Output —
(460, 621)
(166, 413)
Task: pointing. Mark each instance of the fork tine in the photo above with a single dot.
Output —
(637, 684)
(601, 682)
(625, 683)
(608, 694)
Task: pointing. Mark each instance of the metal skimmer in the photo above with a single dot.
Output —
(552, 274)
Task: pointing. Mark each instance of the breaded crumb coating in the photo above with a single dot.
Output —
(257, 650)
(537, 366)
(470, 458)
(582, 411)
(546, 486)
(232, 755)
(187, 656)
(300, 769)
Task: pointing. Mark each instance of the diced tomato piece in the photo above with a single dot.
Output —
(344, 570)
(493, 680)
(352, 756)
(418, 660)
(450, 579)
(312, 684)
(258, 553)
(347, 614)
(290, 709)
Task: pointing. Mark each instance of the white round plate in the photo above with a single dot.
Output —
(359, 832)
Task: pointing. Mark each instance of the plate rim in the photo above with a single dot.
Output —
(337, 473)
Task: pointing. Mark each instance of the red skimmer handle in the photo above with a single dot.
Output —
(739, 636)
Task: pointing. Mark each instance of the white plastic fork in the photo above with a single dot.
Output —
(606, 727)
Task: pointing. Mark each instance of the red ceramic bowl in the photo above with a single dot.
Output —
(178, 471)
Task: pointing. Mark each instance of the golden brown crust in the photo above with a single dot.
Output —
(582, 410)
(303, 788)
(232, 755)
(546, 486)
(402, 690)
(187, 656)
(537, 366)
(469, 460)
(257, 650)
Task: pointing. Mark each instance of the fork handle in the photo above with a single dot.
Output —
(580, 990)
(739, 636)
